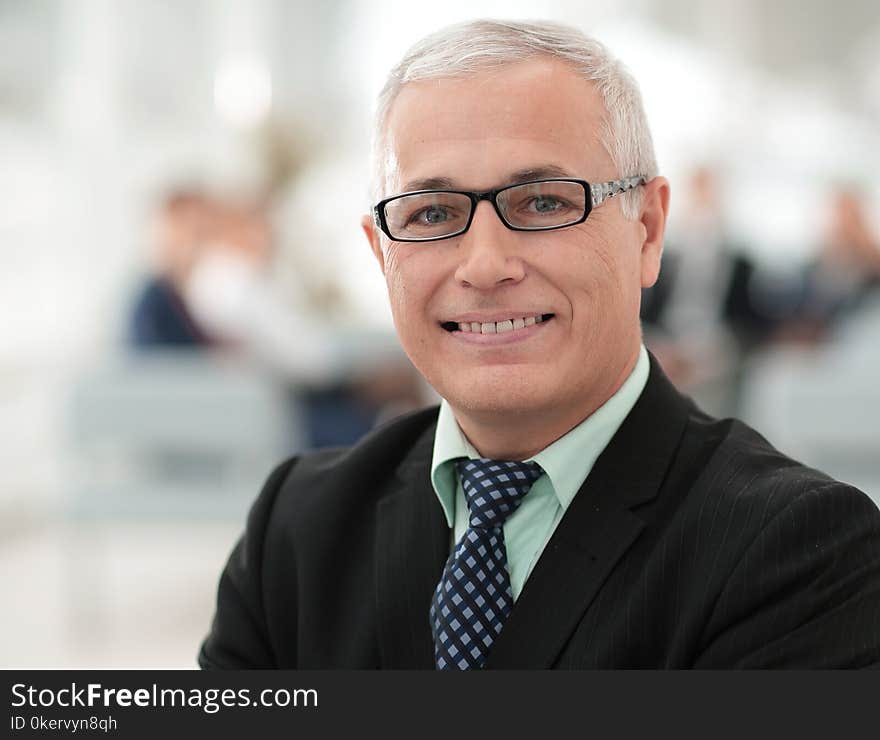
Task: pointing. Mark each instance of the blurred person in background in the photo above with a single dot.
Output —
(699, 317)
(160, 315)
(214, 290)
(844, 277)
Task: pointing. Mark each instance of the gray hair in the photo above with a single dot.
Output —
(464, 49)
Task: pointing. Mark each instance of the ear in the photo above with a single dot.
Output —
(373, 236)
(652, 217)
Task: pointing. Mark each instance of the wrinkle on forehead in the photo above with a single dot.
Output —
(535, 112)
(539, 171)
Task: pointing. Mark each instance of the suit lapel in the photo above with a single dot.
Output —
(412, 545)
(596, 530)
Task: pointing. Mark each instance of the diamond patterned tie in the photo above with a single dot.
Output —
(474, 597)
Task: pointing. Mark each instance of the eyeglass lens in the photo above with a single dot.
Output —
(537, 205)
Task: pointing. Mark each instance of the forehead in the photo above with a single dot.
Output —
(475, 131)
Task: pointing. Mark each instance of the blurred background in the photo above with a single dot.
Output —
(187, 297)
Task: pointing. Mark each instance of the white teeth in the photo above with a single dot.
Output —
(499, 327)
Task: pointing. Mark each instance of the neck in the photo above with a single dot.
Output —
(518, 434)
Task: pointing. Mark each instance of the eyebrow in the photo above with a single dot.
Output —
(541, 172)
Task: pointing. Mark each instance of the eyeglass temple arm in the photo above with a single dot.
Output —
(600, 192)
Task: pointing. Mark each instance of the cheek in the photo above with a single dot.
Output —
(617, 253)
(409, 280)
(604, 285)
(595, 272)
(394, 279)
(611, 273)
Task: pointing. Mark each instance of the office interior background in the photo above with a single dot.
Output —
(128, 461)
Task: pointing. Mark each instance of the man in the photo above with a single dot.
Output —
(566, 507)
(160, 316)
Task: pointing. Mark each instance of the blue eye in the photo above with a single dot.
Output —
(430, 216)
(435, 215)
(546, 204)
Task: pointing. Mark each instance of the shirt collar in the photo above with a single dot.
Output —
(567, 461)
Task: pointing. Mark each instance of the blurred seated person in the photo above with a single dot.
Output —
(160, 316)
(844, 275)
(217, 290)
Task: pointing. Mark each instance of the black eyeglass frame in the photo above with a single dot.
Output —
(598, 194)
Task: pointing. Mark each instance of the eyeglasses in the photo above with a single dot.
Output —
(538, 205)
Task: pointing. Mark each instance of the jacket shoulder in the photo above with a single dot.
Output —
(355, 475)
(805, 575)
(742, 464)
(773, 558)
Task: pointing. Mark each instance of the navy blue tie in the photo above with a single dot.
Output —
(474, 597)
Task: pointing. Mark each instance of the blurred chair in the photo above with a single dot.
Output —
(176, 433)
(822, 407)
(161, 437)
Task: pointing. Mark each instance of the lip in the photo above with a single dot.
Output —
(495, 317)
(493, 340)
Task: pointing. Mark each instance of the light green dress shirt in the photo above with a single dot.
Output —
(566, 464)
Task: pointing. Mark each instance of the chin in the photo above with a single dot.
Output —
(498, 391)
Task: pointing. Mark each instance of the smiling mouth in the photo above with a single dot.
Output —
(496, 327)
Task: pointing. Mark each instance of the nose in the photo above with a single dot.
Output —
(487, 257)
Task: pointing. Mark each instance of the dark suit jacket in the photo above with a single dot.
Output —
(160, 319)
(692, 543)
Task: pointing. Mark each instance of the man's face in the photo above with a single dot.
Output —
(480, 133)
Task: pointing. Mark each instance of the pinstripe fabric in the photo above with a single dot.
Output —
(749, 578)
